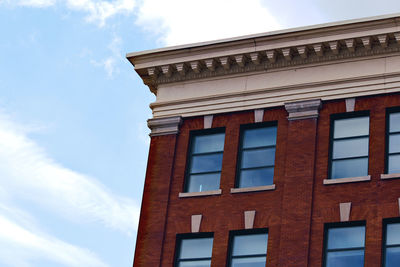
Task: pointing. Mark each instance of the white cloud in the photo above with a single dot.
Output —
(98, 11)
(110, 63)
(21, 246)
(183, 21)
(37, 3)
(30, 174)
(176, 21)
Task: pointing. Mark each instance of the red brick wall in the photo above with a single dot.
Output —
(294, 213)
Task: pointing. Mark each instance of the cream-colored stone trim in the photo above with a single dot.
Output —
(253, 189)
(196, 222)
(345, 209)
(201, 194)
(268, 52)
(208, 120)
(343, 60)
(390, 176)
(164, 126)
(249, 217)
(350, 104)
(303, 109)
(347, 180)
(270, 89)
(258, 115)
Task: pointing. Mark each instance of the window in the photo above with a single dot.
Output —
(256, 156)
(393, 143)
(248, 248)
(205, 161)
(194, 250)
(344, 245)
(391, 241)
(349, 146)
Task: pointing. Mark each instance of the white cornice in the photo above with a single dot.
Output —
(283, 49)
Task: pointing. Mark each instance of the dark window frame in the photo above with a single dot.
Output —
(384, 231)
(387, 135)
(189, 154)
(348, 115)
(180, 237)
(234, 233)
(244, 127)
(328, 226)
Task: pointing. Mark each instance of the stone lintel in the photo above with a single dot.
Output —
(307, 109)
(164, 126)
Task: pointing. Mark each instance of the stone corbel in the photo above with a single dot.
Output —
(211, 64)
(196, 66)
(319, 49)
(164, 126)
(271, 55)
(255, 58)
(241, 60)
(225, 62)
(366, 42)
(350, 43)
(152, 72)
(167, 70)
(181, 68)
(303, 51)
(334, 46)
(397, 37)
(300, 110)
(287, 53)
(383, 40)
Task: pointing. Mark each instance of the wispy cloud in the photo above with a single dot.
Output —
(28, 172)
(21, 246)
(100, 11)
(97, 11)
(182, 21)
(110, 63)
(37, 3)
(174, 21)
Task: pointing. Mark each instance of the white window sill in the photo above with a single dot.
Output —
(201, 194)
(347, 180)
(253, 189)
(390, 176)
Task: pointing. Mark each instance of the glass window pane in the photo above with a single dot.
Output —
(208, 143)
(258, 157)
(196, 248)
(351, 127)
(204, 263)
(392, 257)
(206, 163)
(203, 182)
(394, 164)
(346, 237)
(393, 234)
(350, 148)
(394, 143)
(349, 168)
(394, 122)
(259, 137)
(251, 244)
(249, 262)
(257, 177)
(354, 258)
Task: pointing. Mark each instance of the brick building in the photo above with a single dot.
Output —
(276, 149)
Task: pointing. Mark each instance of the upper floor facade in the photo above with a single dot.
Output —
(290, 137)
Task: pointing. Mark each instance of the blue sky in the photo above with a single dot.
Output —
(73, 134)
